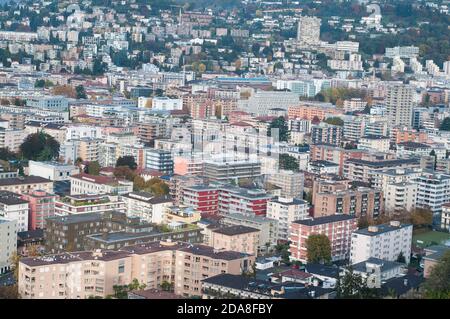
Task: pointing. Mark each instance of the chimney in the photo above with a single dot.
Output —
(405, 282)
(373, 229)
(395, 223)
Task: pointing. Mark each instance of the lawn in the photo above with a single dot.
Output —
(429, 237)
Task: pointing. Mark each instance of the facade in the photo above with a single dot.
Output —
(399, 105)
(12, 207)
(445, 217)
(338, 196)
(26, 184)
(8, 243)
(95, 185)
(239, 238)
(326, 133)
(308, 30)
(159, 160)
(338, 229)
(286, 211)
(146, 206)
(80, 275)
(384, 241)
(371, 142)
(268, 228)
(433, 191)
(84, 203)
(41, 206)
(221, 171)
(291, 183)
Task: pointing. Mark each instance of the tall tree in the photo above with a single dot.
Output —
(126, 161)
(282, 126)
(40, 146)
(445, 125)
(93, 168)
(318, 248)
(288, 162)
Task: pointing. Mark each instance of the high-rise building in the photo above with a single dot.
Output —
(308, 30)
(8, 243)
(399, 105)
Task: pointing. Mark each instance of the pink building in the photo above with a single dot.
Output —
(41, 206)
(338, 228)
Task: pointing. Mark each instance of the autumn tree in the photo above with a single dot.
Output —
(65, 90)
(422, 217)
(318, 248)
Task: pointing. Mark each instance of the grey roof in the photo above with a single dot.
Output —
(74, 219)
(235, 230)
(384, 163)
(295, 201)
(324, 220)
(383, 228)
(437, 252)
(10, 198)
(23, 180)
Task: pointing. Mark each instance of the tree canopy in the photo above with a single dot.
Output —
(288, 162)
(40, 147)
(437, 285)
(282, 126)
(126, 161)
(318, 249)
(445, 125)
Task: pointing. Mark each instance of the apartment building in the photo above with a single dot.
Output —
(362, 169)
(445, 217)
(12, 138)
(399, 103)
(26, 184)
(80, 275)
(291, 183)
(238, 238)
(88, 149)
(147, 206)
(339, 195)
(95, 185)
(433, 191)
(159, 160)
(374, 142)
(338, 229)
(286, 211)
(181, 214)
(268, 228)
(53, 171)
(41, 206)
(84, 203)
(326, 133)
(311, 111)
(222, 171)
(384, 241)
(12, 207)
(334, 154)
(8, 242)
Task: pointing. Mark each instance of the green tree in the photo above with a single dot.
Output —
(288, 162)
(40, 146)
(437, 285)
(39, 83)
(282, 126)
(335, 121)
(354, 286)
(80, 92)
(445, 125)
(318, 248)
(93, 168)
(127, 161)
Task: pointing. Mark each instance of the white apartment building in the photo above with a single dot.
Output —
(91, 184)
(399, 104)
(12, 207)
(433, 191)
(400, 197)
(146, 206)
(53, 171)
(308, 30)
(8, 243)
(285, 211)
(12, 138)
(373, 142)
(261, 102)
(384, 241)
(445, 217)
(165, 103)
(75, 132)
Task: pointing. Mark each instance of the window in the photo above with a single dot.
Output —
(121, 266)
